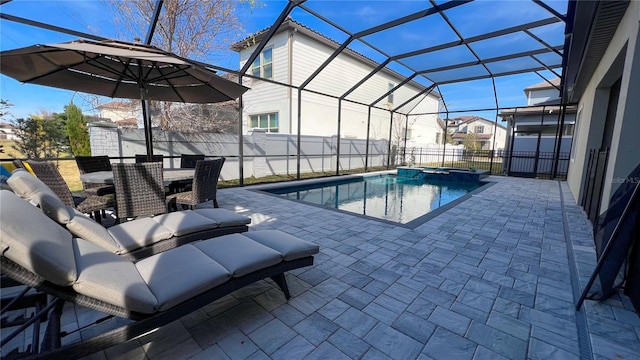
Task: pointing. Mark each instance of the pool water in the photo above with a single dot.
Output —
(386, 197)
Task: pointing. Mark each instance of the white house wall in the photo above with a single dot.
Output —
(538, 96)
(265, 97)
(549, 119)
(624, 152)
(319, 113)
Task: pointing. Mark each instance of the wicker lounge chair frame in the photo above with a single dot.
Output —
(92, 204)
(178, 240)
(51, 345)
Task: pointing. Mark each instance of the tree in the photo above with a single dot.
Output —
(471, 142)
(4, 105)
(40, 138)
(195, 29)
(400, 129)
(30, 138)
(77, 130)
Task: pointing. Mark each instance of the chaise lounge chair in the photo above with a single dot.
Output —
(151, 292)
(134, 239)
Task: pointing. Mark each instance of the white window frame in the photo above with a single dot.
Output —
(260, 64)
(478, 127)
(271, 117)
(390, 96)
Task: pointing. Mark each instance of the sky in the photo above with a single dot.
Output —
(357, 15)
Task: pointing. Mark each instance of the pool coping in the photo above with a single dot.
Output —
(260, 188)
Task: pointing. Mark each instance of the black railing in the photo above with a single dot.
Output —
(593, 182)
(497, 162)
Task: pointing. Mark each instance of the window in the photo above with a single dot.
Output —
(268, 122)
(390, 96)
(263, 65)
(479, 129)
(438, 138)
(408, 134)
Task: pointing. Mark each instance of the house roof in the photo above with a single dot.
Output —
(551, 84)
(116, 105)
(538, 109)
(470, 118)
(291, 25)
(479, 136)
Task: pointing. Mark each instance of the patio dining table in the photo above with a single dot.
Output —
(169, 176)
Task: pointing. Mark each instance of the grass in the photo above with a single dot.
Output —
(67, 167)
(69, 171)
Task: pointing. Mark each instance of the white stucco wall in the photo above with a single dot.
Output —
(592, 107)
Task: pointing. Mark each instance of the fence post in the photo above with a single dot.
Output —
(491, 162)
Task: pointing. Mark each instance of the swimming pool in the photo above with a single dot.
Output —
(387, 197)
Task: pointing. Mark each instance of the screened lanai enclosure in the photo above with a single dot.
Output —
(344, 86)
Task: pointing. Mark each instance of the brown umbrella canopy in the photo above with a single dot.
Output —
(121, 70)
(118, 69)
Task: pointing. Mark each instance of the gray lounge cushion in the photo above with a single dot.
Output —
(239, 254)
(84, 227)
(180, 274)
(106, 276)
(34, 241)
(289, 246)
(224, 217)
(27, 186)
(138, 233)
(185, 222)
(54, 208)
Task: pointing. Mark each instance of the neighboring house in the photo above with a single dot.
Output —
(486, 131)
(291, 57)
(124, 114)
(7, 131)
(535, 127)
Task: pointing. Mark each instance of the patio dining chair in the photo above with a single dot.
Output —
(187, 161)
(205, 185)
(142, 158)
(139, 190)
(89, 164)
(50, 175)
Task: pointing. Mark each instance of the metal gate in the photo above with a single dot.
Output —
(524, 163)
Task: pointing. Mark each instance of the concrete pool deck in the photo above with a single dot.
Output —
(494, 277)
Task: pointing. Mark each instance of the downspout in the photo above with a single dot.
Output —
(289, 90)
(406, 131)
(390, 138)
(366, 152)
(338, 137)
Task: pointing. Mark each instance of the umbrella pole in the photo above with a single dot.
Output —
(146, 120)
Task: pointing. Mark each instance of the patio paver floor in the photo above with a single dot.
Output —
(490, 278)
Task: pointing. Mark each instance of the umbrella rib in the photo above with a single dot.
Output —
(66, 67)
(115, 71)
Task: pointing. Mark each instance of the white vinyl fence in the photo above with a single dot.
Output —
(264, 154)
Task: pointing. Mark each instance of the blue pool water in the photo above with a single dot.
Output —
(387, 197)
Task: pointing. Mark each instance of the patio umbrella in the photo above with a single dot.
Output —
(119, 69)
